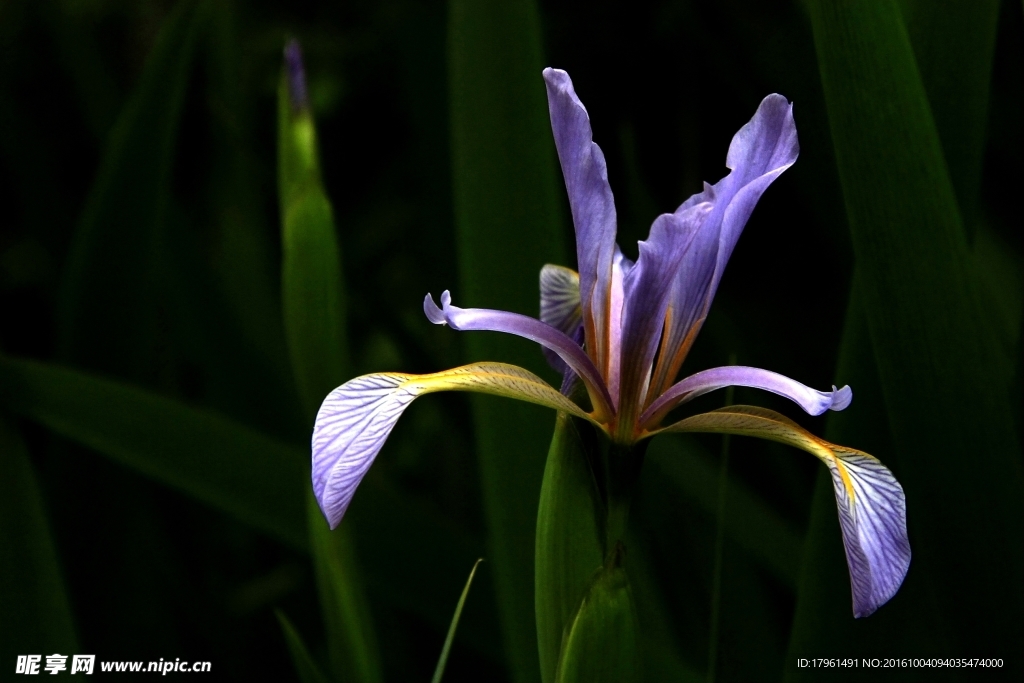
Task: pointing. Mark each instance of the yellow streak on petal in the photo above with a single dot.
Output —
(767, 424)
(669, 362)
(497, 379)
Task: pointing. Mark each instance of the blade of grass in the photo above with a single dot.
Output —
(305, 666)
(34, 611)
(508, 222)
(443, 659)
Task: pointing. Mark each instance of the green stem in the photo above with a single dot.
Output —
(716, 577)
(623, 471)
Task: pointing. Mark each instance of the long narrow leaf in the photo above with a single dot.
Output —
(35, 616)
(507, 216)
(936, 359)
(570, 536)
(107, 319)
(446, 649)
(313, 298)
(305, 666)
(254, 478)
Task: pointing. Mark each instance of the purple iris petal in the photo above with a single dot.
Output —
(760, 151)
(873, 517)
(351, 427)
(812, 401)
(646, 289)
(465, 319)
(591, 202)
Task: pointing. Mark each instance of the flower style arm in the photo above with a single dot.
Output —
(813, 402)
(872, 507)
(355, 419)
(465, 319)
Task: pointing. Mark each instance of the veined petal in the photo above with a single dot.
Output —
(871, 504)
(356, 418)
(559, 305)
(760, 151)
(464, 319)
(813, 402)
(645, 292)
(591, 202)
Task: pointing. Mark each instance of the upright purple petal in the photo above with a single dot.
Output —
(646, 290)
(812, 401)
(591, 202)
(760, 151)
(873, 517)
(465, 319)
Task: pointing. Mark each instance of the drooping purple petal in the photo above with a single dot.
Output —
(356, 418)
(812, 401)
(465, 319)
(760, 151)
(871, 504)
(559, 306)
(873, 517)
(351, 427)
(645, 291)
(591, 202)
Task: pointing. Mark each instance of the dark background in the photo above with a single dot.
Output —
(150, 572)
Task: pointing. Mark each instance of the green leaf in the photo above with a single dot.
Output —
(601, 641)
(570, 536)
(957, 83)
(34, 613)
(312, 286)
(107, 319)
(305, 667)
(256, 479)
(313, 298)
(443, 659)
(509, 225)
(938, 363)
(351, 642)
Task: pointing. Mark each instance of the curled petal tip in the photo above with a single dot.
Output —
(433, 313)
(841, 398)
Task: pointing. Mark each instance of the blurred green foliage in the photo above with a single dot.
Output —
(156, 399)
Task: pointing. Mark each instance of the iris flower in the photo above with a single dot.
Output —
(622, 330)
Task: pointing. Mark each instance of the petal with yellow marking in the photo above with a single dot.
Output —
(355, 419)
(872, 506)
